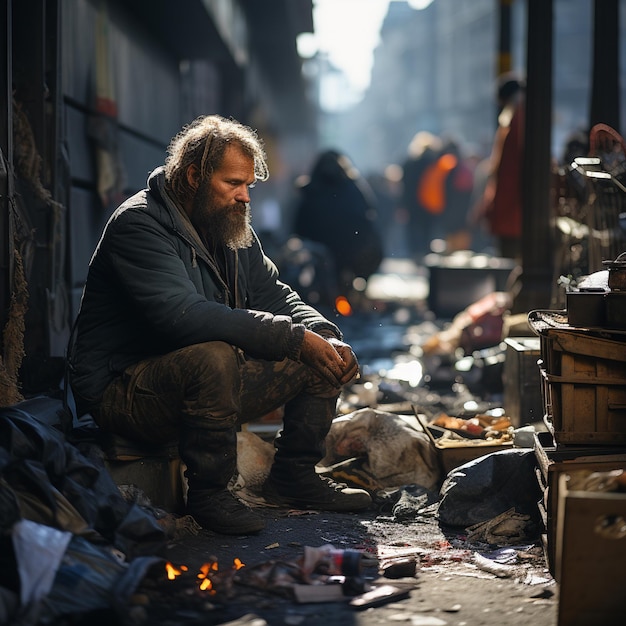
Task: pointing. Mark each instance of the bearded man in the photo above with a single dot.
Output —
(185, 332)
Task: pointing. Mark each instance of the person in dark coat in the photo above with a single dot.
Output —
(337, 208)
(185, 331)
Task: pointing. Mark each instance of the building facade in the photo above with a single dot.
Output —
(93, 90)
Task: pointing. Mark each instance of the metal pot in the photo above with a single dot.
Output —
(617, 272)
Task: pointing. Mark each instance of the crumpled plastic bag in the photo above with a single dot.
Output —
(92, 577)
(38, 550)
(63, 575)
(56, 485)
(486, 487)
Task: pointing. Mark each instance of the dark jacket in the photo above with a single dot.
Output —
(152, 288)
(333, 197)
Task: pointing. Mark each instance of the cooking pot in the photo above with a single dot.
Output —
(617, 272)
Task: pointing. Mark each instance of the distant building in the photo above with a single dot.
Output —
(435, 69)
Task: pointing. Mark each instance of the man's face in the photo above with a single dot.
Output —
(220, 209)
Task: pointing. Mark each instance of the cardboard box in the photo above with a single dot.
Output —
(453, 453)
(584, 387)
(552, 463)
(523, 400)
(591, 556)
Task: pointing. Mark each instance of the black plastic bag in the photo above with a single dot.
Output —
(488, 486)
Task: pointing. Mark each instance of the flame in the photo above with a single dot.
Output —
(205, 568)
(203, 576)
(173, 572)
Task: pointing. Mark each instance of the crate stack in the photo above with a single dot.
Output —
(584, 386)
(583, 389)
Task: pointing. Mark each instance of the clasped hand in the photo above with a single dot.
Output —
(332, 359)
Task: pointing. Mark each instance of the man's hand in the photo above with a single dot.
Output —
(332, 359)
(351, 365)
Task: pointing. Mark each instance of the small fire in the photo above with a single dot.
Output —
(174, 572)
(206, 583)
(205, 573)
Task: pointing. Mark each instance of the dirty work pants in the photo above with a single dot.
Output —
(200, 394)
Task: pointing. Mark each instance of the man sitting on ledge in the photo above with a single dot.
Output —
(185, 331)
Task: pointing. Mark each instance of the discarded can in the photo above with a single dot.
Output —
(346, 562)
(330, 561)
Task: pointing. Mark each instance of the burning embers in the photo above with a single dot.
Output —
(209, 578)
(317, 566)
(321, 574)
(173, 572)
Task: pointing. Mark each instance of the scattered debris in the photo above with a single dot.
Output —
(493, 567)
(378, 596)
(508, 528)
(377, 442)
(405, 567)
(392, 451)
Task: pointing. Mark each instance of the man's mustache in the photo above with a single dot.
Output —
(242, 207)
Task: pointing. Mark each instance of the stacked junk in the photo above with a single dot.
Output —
(581, 457)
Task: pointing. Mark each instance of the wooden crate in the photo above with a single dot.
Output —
(590, 554)
(552, 463)
(584, 387)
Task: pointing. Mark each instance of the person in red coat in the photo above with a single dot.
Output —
(501, 206)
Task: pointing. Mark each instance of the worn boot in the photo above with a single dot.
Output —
(210, 454)
(308, 490)
(293, 480)
(222, 512)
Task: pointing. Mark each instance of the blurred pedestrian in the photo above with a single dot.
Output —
(337, 207)
(386, 186)
(457, 189)
(423, 151)
(482, 239)
(501, 207)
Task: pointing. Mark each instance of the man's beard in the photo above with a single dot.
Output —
(221, 225)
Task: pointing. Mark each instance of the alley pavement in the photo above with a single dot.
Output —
(422, 574)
